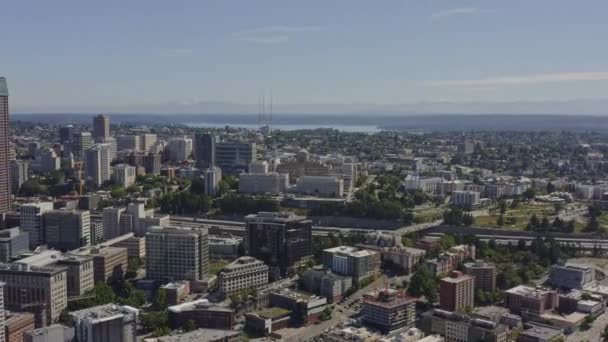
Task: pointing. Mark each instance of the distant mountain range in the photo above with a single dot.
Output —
(582, 106)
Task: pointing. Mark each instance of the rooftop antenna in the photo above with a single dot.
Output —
(270, 115)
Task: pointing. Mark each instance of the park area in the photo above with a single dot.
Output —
(517, 217)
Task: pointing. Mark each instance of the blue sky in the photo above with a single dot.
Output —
(129, 55)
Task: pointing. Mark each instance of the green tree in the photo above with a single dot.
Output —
(118, 192)
(325, 314)
(161, 297)
(103, 293)
(153, 320)
(190, 325)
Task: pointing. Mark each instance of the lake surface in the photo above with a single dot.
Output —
(291, 127)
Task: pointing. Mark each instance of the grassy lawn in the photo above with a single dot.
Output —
(216, 266)
(518, 218)
(429, 214)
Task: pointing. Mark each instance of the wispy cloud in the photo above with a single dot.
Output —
(522, 79)
(461, 11)
(175, 52)
(272, 34)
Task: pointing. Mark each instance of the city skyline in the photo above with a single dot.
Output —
(201, 57)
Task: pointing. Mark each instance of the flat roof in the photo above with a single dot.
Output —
(200, 335)
(197, 303)
(272, 312)
(103, 311)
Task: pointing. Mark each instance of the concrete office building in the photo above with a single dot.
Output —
(263, 183)
(179, 149)
(113, 146)
(5, 146)
(31, 221)
(34, 289)
(17, 324)
(106, 323)
(326, 284)
(67, 229)
(278, 239)
(300, 168)
(305, 308)
(322, 186)
(388, 310)
(529, 302)
(207, 335)
(243, 273)
(456, 292)
(150, 161)
(203, 313)
(177, 254)
(352, 261)
(456, 326)
(146, 141)
(468, 200)
(66, 134)
(484, 274)
(107, 261)
(204, 150)
(258, 166)
(233, 157)
(13, 242)
(19, 173)
(224, 247)
(128, 142)
(80, 273)
(97, 160)
(123, 174)
(213, 176)
(101, 127)
(82, 143)
(428, 185)
(571, 277)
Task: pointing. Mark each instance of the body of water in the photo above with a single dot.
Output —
(291, 127)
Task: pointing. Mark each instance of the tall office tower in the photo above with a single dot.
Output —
(67, 229)
(177, 254)
(128, 142)
(66, 134)
(31, 221)
(146, 141)
(278, 239)
(48, 160)
(204, 150)
(456, 292)
(19, 173)
(5, 132)
(82, 142)
(179, 149)
(123, 174)
(2, 315)
(101, 127)
(111, 222)
(234, 157)
(97, 163)
(113, 146)
(213, 176)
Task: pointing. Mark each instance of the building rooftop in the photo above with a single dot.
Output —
(200, 335)
(527, 291)
(201, 303)
(542, 332)
(279, 217)
(350, 251)
(104, 312)
(272, 312)
(3, 87)
(244, 260)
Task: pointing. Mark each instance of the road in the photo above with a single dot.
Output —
(341, 313)
(593, 334)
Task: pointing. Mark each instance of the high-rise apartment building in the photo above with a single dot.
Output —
(213, 176)
(82, 142)
(351, 261)
(19, 173)
(278, 239)
(179, 149)
(31, 221)
(101, 127)
(5, 180)
(67, 229)
(388, 310)
(456, 292)
(111, 222)
(484, 274)
(146, 141)
(128, 142)
(66, 134)
(98, 160)
(13, 242)
(204, 150)
(177, 254)
(123, 174)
